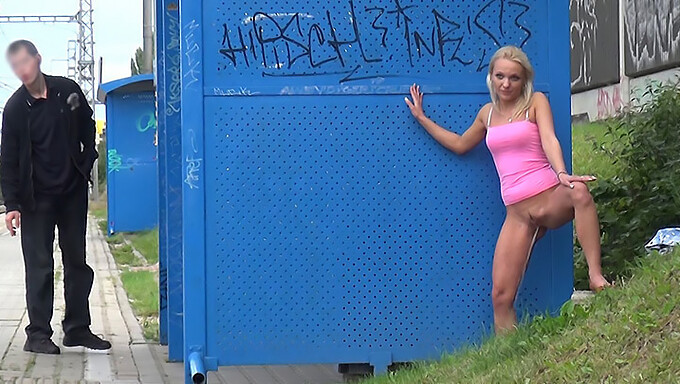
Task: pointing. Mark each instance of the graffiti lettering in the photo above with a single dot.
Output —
(192, 53)
(250, 19)
(115, 161)
(241, 91)
(609, 105)
(301, 44)
(193, 165)
(192, 174)
(146, 122)
(173, 62)
(583, 39)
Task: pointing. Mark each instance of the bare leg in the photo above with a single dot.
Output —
(509, 262)
(566, 204)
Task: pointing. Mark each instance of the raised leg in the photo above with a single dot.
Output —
(566, 204)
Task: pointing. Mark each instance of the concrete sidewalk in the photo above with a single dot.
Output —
(131, 360)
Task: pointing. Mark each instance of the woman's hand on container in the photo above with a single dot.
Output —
(415, 104)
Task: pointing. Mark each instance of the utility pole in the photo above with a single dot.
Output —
(85, 71)
(80, 56)
(86, 51)
(147, 14)
(72, 58)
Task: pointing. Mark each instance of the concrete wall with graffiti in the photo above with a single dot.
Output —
(651, 35)
(619, 46)
(594, 34)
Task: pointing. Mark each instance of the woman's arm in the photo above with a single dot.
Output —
(459, 144)
(550, 143)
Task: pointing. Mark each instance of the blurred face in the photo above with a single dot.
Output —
(25, 66)
(508, 80)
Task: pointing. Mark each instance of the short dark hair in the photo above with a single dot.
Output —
(17, 45)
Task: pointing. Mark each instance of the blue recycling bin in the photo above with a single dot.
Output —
(131, 161)
(320, 223)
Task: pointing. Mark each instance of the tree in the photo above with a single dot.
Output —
(137, 63)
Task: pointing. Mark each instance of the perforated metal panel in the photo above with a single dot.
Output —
(281, 45)
(131, 162)
(322, 224)
(349, 226)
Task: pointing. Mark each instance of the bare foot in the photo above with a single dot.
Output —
(598, 283)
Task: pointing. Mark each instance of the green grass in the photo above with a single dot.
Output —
(124, 256)
(103, 226)
(141, 286)
(151, 328)
(630, 334)
(115, 239)
(146, 243)
(98, 209)
(144, 300)
(591, 151)
(142, 290)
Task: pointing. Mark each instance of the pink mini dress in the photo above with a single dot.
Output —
(522, 165)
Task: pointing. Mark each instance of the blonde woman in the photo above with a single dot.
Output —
(537, 190)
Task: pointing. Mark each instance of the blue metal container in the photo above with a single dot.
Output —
(321, 224)
(132, 180)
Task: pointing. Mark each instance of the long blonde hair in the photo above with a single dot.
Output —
(518, 56)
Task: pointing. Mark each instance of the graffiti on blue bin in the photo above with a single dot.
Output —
(302, 44)
(115, 161)
(147, 122)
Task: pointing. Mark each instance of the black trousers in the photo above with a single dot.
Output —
(68, 213)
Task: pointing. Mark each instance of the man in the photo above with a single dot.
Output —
(47, 153)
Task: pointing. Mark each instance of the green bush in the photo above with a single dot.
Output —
(644, 194)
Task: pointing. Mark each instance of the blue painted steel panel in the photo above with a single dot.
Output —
(130, 84)
(174, 179)
(193, 192)
(159, 73)
(131, 162)
(321, 224)
(560, 100)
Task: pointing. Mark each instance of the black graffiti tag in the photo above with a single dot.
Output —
(295, 44)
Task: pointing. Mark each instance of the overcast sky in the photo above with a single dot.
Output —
(117, 34)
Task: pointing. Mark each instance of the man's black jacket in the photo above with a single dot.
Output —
(16, 166)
